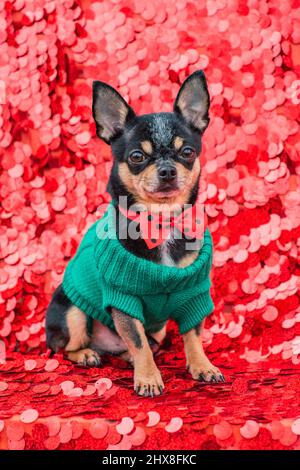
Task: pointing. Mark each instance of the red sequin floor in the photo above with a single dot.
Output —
(53, 175)
(48, 403)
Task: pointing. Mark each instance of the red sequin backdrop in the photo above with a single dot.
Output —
(53, 177)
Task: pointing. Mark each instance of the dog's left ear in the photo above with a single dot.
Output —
(110, 111)
(192, 101)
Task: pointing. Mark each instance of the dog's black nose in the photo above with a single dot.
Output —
(167, 174)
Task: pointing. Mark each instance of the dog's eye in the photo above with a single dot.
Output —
(188, 153)
(136, 157)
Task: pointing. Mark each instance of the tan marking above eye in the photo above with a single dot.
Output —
(147, 146)
(178, 142)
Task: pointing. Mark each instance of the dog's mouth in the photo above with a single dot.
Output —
(166, 190)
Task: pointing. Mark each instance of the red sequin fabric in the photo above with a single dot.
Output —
(53, 175)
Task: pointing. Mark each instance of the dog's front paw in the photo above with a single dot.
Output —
(205, 372)
(85, 357)
(148, 383)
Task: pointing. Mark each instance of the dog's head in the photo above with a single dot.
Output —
(155, 155)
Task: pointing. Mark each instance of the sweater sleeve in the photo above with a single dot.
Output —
(192, 312)
(127, 303)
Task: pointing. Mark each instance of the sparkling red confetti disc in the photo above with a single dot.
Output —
(51, 365)
(16, 445)
(3, 386)
(222, 430)
(250, 429)
(174, 425)
(30, 364)
(138, 437)
(54, 425)
(52, 443)
(65, 433)
(296, 427)
(98, 429)
(29, 416)
(15, 431)
(154, 418)
(125, 426)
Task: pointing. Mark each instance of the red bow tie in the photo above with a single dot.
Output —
(156, 227)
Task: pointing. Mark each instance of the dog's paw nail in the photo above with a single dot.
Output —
(149, 390)
(84, 361)
(96, 361)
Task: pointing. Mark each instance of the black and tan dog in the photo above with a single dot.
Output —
(155, 162)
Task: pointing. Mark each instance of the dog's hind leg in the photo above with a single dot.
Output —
(57, 333)
(77, 348)
(66, 328)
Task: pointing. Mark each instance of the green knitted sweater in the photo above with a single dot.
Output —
(103, 274)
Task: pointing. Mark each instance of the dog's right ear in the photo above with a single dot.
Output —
(110, 111)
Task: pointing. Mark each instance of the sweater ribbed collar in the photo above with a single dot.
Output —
(132, 274)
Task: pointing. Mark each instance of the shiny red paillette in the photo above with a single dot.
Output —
(53, 175)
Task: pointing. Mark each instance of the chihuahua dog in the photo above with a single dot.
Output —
(155, 162)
